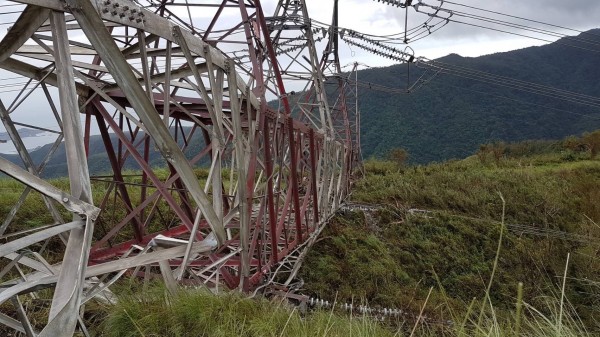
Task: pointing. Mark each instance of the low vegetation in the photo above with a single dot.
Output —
(438, 226)
(199, 313)
(503, 243)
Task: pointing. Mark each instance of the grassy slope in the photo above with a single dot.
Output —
(392, 257)
(199, 313)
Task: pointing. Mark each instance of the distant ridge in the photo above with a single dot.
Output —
(98, 160)
(450, 116)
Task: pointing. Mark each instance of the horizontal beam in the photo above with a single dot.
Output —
(69, 202)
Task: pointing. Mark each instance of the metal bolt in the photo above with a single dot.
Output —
(138, 20)
(65, 199)
(105, 10)
(125, 8)
(114, 13)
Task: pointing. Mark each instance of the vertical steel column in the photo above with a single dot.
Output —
(272, 56)
(240, 160)
(64, 311)
(294, 178)
(270, 197)
(313, 175)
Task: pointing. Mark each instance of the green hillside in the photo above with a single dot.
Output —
(427, 244)
(438, 226)
(450, 116)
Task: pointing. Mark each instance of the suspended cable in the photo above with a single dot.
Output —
(520, 101)
(520, 18)
(526, 28)
(512, 83)
(451, 14)
(506, 79)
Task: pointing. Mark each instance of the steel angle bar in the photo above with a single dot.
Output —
(186, 256)
(93, 27)
(33, 72)
(28, 22)
(100, 286)
(102, 93)
(11, 129)
(37, 280)
(11, 323)
(118, 176)
(39, 266)
(26, 241)
(161, 188)
(28, 329)
(69, 202)
(240, 156)
(199, 85)
(97, 250)
(67, 295)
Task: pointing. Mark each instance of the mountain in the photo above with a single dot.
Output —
(450, 116)
(23, 132)
(98, 160)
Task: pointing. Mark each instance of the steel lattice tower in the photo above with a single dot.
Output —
(150, 76)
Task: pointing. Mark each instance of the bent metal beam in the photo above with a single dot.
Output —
(247, 186)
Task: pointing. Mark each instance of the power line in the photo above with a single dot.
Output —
(521, 101)
(520, 18)
(452, 13)
(511, 83)
(524, 229)
(508, 79)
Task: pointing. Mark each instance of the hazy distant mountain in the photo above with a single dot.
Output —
(98, 161)
(23, 132)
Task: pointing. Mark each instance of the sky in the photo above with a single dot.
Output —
(374, 17)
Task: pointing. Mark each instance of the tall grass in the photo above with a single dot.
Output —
(156, 312)
(387, 256)
(200, 313)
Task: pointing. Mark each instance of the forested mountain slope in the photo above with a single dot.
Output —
(450, 116)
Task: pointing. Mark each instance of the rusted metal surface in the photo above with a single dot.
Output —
(149, 77)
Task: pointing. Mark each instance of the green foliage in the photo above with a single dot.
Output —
(200, 313)
(450, 116)
(398, 156)
(440, 228)
(592, 141)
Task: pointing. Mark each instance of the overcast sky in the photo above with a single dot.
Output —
(376, 18)
(373, 17)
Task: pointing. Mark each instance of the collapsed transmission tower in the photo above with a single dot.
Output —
(149, 77)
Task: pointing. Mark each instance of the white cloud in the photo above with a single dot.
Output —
(372, 17)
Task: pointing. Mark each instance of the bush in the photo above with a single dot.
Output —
(398, 156)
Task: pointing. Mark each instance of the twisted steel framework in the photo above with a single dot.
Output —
(151, 75)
